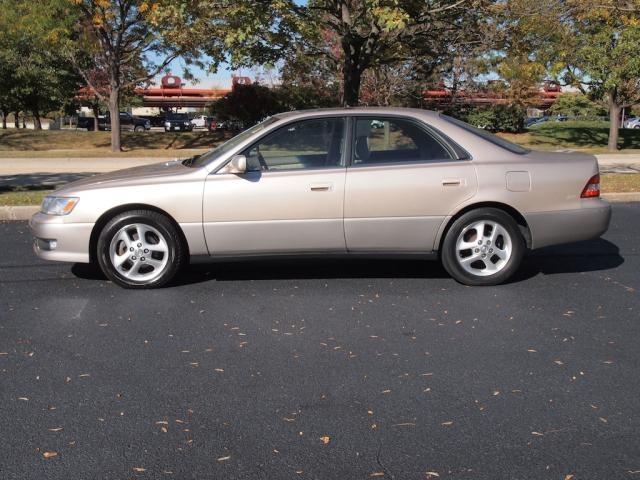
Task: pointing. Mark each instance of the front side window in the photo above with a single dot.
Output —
(394, 140)
(316, 143)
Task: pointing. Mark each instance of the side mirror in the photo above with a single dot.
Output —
(237, 165)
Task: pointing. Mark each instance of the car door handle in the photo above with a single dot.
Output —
(320, 187)
(452, 182)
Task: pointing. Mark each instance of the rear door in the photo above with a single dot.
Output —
(291, 199)
(402, 181)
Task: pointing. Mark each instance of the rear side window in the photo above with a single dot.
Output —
(394, 140)
(501, 142)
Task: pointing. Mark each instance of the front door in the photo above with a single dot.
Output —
(291, 198)
(402, 182)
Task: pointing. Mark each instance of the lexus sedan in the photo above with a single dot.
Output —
(356, 181)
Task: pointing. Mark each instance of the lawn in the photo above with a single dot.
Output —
(67, 143)
(610, 182)
(590, 136)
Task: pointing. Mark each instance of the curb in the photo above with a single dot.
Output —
(18, 213)
(25, 212)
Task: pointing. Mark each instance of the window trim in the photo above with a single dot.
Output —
(455, 150)
(343, 157)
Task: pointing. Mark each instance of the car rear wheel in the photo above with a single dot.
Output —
(138, 128)
(140, 249)
(483, 247)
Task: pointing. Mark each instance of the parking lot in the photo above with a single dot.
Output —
(324, 369)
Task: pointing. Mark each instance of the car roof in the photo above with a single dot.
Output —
(357, 111)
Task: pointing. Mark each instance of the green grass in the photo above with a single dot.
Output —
(610, 183)
(590, 136)
(26, 197)
(64, 143)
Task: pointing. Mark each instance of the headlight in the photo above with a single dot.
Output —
(167, 124)
(58, 205)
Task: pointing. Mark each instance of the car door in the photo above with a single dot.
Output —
(291, 198)
(126, 121)
(402, 181)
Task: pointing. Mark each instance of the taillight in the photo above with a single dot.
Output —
(592, 188)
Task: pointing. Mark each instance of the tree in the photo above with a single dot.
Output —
(590, 44)
(577, 105)
(35, 76)
(357, 35)
(132, 41)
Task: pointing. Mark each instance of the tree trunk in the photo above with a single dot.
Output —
(4, 119)
(37, 123)
(351, 80)
(614, 122)
(16, 119)
(114, 113)
(96, 114)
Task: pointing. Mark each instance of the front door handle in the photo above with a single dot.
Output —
(321, 187)
(452, 182)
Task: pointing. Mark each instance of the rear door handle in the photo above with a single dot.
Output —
(321, 187)
(452, 182)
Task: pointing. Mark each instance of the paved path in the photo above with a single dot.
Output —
(325, 369)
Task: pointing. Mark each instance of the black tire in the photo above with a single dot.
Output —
(138, 128)
(176, 250)
(449, 256)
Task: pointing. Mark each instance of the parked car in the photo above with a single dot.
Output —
(633, 122)
(128, 122)
(177, 121)
(200, 121)
(330, 182)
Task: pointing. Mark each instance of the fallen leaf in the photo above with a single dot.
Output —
(377, 474)
(446, 424)
(57, 429)
(24, 399)
(50, 454)
(431, 474)
(139, 469)
(220, 370)
(325, 440)
(568, 477)
(222, 459)
(386, 391)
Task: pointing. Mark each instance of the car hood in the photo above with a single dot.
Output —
(146, 174)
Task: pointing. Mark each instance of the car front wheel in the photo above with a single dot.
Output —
(483, 247)
(140, 249)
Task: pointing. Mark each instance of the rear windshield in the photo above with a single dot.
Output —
(501, 142)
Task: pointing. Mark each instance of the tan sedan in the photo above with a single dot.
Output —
(373, 181)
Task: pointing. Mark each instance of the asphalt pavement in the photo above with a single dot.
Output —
(324, 369)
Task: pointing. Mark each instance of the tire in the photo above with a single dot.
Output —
(138, 128)
(162, 245)
(502, 244)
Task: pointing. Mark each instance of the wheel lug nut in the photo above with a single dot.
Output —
(488, 242)
(477, 250)
(484, 255)
(146, 250)
(131, 249)
(133, 257)
(139, 244)
(479, 242)
(142, 259)
(491, 250)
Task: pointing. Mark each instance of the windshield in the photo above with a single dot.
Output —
(501, 142)
(229, 145)
(178, 116)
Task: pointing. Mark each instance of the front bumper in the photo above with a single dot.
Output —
(567, 226)
(71, 239)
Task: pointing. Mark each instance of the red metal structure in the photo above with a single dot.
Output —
(173, 94)
(542, 99)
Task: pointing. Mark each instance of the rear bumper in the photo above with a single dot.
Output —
(566, 226)
(56, 240)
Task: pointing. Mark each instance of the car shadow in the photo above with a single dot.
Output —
(588, 256)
